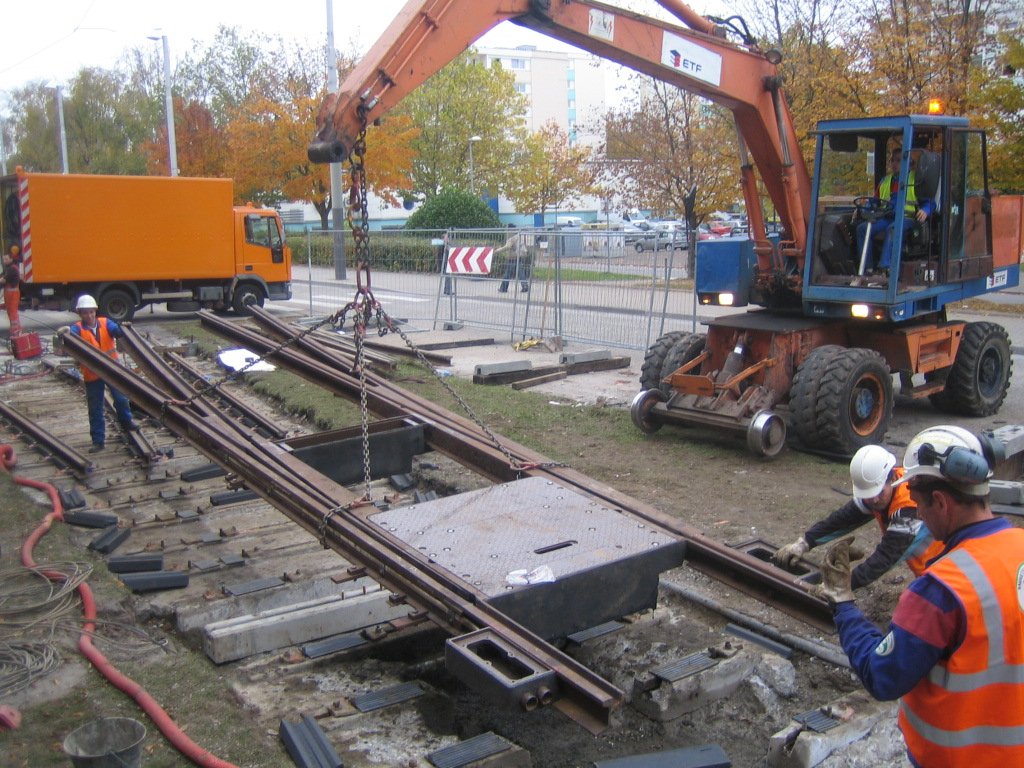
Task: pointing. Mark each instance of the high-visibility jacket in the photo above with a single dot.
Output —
(885, 192)
(924, 547)
(969, 711)
(100, 338)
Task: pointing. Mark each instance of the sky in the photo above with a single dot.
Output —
(50, 40)
(53, 40)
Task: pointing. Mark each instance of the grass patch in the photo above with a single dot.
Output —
(186, 683)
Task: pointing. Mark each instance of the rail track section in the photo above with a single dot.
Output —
(580, 552)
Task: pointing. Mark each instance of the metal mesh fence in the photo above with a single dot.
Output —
(591, 286)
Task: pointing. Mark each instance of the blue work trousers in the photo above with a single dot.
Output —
(97, 424)
(873, 230)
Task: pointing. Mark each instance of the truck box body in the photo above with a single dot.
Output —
(156, 238)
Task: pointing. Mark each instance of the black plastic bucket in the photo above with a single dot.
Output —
(109, 742)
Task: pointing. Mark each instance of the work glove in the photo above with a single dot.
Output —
(63, 329)
(837, 572)
(787, 556)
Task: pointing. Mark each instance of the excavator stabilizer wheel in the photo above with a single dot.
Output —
(766, 434)
(640, 410)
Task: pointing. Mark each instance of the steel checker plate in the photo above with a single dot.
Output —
(482, 536)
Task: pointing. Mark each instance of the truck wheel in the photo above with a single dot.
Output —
(246, 296)
(654, 360)
(854, 402)
(803, 395)
(977, 382)
(682, 352)
(117, 304)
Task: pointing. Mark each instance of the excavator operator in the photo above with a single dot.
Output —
(882, 227)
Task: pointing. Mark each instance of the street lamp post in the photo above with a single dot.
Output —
(472, 180)
(61, 133)
(337, 208)
(172, 148)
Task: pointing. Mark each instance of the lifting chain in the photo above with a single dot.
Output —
(364, 304)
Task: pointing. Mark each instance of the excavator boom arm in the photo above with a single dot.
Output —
(428, 34)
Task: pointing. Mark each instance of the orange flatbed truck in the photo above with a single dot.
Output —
(137, 240)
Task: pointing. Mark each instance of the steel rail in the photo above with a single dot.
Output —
(464, 441)
(230, 400)
(58, 449)
(327, 510)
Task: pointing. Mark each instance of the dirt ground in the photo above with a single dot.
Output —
(700, 476)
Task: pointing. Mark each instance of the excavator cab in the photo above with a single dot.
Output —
(869, 250)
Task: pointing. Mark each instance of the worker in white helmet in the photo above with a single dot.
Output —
(102, 333)
(876, 497)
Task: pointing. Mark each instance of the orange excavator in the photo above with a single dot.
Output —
(835, 320)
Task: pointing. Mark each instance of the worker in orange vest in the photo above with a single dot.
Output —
(954, 653)
(102, 333)
(876, 496)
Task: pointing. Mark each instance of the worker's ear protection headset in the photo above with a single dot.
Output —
(962, 465)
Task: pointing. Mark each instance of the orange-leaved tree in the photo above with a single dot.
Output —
(201, 147)
(267, 139)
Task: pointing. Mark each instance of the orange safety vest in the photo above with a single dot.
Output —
(104, 343)
(969, 711)
(924, 548)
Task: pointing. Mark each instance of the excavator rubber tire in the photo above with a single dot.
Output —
(977, 382)
(654, 360)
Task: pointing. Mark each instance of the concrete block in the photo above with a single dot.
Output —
(191, 618)
(509, 366)
(568, 358)
(242, 636)
(1006, 492)
(796, 746)
(669, 701)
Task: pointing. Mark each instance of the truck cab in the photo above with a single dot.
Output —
(948, 256)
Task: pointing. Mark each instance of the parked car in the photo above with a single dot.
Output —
(706, 232)
(721, 228)
(636, 229)
(660, 240)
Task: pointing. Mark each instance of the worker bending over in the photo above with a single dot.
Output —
(875, 496)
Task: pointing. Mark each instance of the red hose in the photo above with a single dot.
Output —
(149, 705)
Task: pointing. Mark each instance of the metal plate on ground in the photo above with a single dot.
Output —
(385, 697)
(684, 667)
(469, 751)
(817, 720)
(560, 544)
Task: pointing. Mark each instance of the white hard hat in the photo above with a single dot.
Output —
(952, 454)
(869, 470)
(85, 301)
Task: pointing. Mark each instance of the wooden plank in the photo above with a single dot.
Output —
(590, 366)
(527, 383)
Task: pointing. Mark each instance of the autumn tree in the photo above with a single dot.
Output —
(462, 100)
(666, 141)
(267, 140)
(549, 171)
(106, 123)
(1002, 108)
(821, 79)
(201, 147)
